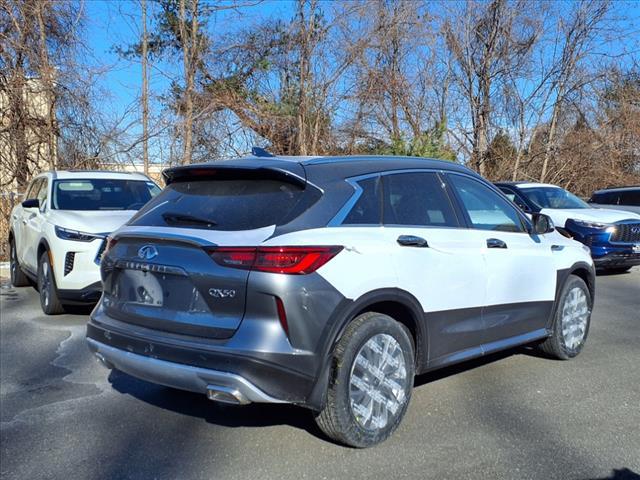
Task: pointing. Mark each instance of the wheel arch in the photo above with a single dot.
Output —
(396, 303)
(43, 246)
(587, 273)
(580, 269)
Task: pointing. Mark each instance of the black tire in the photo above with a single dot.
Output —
(556, 346)
(338, 420)
(616, 270)
(18, 278)
(49, 300)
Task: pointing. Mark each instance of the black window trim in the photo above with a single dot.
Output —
(524, 220)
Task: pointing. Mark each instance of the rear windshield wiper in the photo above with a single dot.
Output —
(173, 218)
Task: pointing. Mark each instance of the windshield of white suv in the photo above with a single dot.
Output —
(553, 197)
(102, 194)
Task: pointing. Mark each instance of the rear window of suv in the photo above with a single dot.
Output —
(242, 204)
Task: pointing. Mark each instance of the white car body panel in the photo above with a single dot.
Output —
(524, 272)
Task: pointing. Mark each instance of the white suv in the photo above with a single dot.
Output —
(58, 232)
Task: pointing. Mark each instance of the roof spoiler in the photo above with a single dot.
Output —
(231, 172)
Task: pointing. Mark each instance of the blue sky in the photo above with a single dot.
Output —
(117, 22)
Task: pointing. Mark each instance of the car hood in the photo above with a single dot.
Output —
(91, 221)
(601, 215)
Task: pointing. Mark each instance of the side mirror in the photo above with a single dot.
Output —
(542, 223)
(31, 203)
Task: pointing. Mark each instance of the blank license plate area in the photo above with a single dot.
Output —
(152, 289)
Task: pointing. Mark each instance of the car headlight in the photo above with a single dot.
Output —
(67, 234)
(595, 225)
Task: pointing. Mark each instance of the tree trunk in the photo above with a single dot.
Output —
(46, 78)
(145, 91)
(550, 141)
(189, 58)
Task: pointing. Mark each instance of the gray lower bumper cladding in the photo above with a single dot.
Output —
(219, 386)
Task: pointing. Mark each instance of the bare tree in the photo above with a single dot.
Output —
(574, 40)
(188, 29)
(145, 90)
(487, 41)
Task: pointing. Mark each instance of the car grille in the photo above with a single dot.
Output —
(626, 233)
(68, 262)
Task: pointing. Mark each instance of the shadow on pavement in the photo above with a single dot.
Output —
(197, 405)
(622, 474)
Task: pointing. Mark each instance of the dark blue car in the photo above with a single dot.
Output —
(612, 235)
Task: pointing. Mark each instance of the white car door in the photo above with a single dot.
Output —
(435, 259)
(32, 226)
(520, 269)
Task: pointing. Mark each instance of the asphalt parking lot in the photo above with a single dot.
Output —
(512, 416)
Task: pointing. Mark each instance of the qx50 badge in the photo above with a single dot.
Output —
(222, 293)
(147, 252)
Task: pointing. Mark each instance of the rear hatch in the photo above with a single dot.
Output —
(159, 272)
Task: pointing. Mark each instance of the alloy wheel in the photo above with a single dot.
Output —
(378, 382)
(575, 314)
(45, 283)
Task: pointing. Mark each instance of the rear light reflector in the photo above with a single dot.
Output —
(282, 315)
(288, 260)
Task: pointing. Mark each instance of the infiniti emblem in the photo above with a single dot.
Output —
(147, 252)
(635, 230)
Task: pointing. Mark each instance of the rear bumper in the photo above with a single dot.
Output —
(222, 386)
(200, 365)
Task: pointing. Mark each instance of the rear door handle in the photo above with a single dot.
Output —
(412, 241)
(495, 243)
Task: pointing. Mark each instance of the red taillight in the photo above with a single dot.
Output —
(234, 257)
(288, 260)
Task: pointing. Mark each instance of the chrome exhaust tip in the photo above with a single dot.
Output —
(232, 396)
(103, 361)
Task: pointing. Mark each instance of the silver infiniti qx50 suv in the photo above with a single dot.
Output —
(330, 282)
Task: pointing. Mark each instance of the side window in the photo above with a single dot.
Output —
(417, 199)
(606, 198)
(366, 210)
(43, 193)
(486, 210)
(33, 189)
(509, 194)
(630, 197)
(515, 198)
